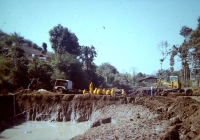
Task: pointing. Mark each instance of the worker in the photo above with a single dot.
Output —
(123, 92)
(84, 92)
(95, 91)
(99, 91)
(91, 87)
(152, 92)
(108, 92)
(113, 92)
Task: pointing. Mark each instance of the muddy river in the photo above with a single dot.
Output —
(43, 130)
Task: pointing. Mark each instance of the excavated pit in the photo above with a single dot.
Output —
(172, 117)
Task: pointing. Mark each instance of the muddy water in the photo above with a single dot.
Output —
(43, 130)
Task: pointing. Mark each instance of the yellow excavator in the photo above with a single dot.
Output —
(174, 83)
(174, 86)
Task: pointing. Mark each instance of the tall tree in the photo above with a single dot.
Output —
(163, 48)
(195, 47)
(87, 56)
(107, 71)
(63, 40)
(44, 46)
(184, 51)
(40, 74)
(68, 67)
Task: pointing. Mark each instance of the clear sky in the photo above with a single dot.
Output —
(133, 28)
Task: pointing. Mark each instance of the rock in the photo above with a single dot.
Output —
(130, 99)
(175, 120)
(106, 120)
(159, 110)
(138, 116)
(100, 122)
(95, 124)
(42, 90)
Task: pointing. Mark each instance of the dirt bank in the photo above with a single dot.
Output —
(134, 117)
(64, 107)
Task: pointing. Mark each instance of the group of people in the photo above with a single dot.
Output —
(99, 91)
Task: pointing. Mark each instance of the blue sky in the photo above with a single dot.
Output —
(133, 28)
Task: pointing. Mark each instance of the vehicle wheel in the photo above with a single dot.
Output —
(188, 92)
(59, 90)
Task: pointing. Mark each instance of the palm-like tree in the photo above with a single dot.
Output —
(17, 39)
(14, 40)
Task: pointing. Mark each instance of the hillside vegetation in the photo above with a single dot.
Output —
(26, 65)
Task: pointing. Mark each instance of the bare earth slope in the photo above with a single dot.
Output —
(167, 118)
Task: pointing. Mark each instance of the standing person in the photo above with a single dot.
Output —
(152, 92)
(91, 88)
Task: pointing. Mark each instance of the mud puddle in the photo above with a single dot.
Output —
(40, 130)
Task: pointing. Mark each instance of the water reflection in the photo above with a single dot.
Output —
(42, 130)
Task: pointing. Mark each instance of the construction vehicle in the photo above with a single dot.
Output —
(62, 86)
(175, 86)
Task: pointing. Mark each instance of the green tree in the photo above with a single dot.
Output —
(20, 67)
(44, 46)
(14, 70)
(68, 67)
(40, 74)
(14, 40)
(28, 42)
(183, 51)
(194, 53)
(63, 40)
(5, 71)
(107, 71)
(87, 56)
(195, 44)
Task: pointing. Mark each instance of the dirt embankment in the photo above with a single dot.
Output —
(64, 107)
(117, 117)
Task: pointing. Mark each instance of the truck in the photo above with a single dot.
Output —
(175, 86)
(62, 86)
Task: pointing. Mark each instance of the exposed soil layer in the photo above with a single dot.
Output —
(167, 118)
(135, 117)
